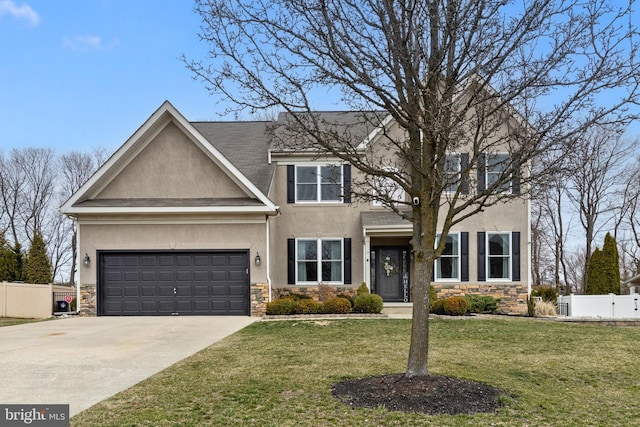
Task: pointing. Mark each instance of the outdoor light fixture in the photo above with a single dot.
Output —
(257, 260)
(86, 261)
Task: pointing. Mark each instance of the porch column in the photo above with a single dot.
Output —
(366, 248)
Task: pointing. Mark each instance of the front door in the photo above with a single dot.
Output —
(391, 278)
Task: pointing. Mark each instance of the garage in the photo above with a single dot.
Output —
(163, 283)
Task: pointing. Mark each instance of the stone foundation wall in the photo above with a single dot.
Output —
(513, 296)
(88, 300)
(317, 292)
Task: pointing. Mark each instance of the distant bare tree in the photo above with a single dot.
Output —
(12, 187)
(75, 169)
(38, 165)
(575, 272)
(595, 180)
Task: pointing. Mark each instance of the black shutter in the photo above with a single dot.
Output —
(482, 170)
(515, 181)
(482, 275)
(347, 261)
(291, 184)
(464, 256)
(291, 261)
(464, 165)
(346, 183)
(515, 253)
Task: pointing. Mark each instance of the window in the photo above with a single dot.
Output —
(496, 165)
(319, 260)
(321, 183)
(387, 188)
(448, 265)
(498, 256)
(452, 168)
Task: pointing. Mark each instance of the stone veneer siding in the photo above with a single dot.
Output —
(88, 300)
(259, 295)
(318, 293)
(259, 299)
(513, 296)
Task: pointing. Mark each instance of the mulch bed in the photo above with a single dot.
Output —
(432, 394)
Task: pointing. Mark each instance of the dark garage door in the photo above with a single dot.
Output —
(173, 283)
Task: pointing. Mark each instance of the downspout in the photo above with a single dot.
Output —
(268, 246)
(78, 264)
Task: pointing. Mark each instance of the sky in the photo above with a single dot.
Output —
(83, 74)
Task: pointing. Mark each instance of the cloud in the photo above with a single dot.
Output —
(23, 11)
(87, 43)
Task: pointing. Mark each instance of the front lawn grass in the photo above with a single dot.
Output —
(10, 321)
(280, 374)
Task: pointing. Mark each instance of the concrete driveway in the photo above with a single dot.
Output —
(82, 360)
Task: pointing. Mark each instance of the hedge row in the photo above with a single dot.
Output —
(458, 306)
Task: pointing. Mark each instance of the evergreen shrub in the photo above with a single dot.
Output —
(547, 293)
(336, 305)
(481, 303)
(437, 306)
(346, 296)
(455, 306)
(306, 306)
(433, 296)
(367, 303)
(362, 290)
(281, 306)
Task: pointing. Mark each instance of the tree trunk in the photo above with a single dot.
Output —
(423, 243)
(417, 364)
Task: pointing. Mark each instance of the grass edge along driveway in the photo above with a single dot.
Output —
(280, 373)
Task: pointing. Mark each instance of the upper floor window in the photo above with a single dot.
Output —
(499, 256)
(452, 167)
(496, 166)
(387, 190)
(319, 183)
(448, 265)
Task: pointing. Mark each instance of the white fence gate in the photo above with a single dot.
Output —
(605, 306)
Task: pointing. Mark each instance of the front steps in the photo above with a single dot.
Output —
(401, 310)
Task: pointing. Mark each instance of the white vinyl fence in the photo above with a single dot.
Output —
(604, 306)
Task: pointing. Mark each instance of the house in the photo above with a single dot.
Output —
(207, 218)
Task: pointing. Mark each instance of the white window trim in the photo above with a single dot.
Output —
(509, 189)
(459, 156)
(318, 241)
(318, 183)
(488, 256)
(459, 256)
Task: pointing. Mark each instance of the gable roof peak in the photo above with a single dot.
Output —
(146, 133)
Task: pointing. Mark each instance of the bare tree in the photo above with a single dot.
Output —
(452, 75)
(12, 183)
(39, 170)
(549, 203)
(595, 180)
(75, 169)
